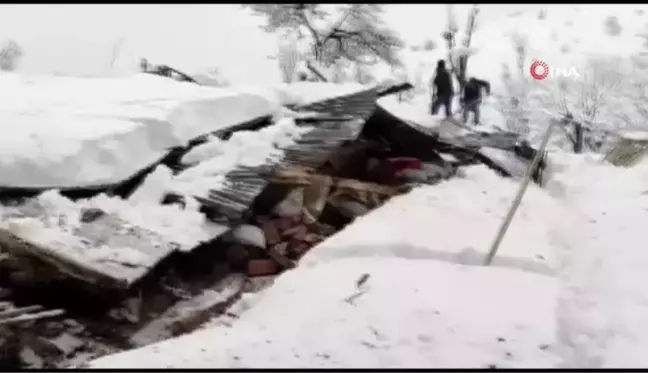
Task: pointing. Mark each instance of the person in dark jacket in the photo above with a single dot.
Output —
(442, 90)
(472, 97)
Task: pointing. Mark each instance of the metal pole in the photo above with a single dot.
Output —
(518, 197)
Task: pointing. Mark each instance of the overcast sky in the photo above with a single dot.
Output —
(78, 39)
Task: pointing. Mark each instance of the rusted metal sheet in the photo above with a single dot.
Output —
(628, 151)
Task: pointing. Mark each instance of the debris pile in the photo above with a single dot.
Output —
(124, 279)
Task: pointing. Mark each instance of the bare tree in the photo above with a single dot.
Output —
(588, 105)
(514, 103)
(10, 54)
(459, 59)
(355, 32)
(288, 57)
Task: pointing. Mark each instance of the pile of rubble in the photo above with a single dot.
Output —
(355, 157)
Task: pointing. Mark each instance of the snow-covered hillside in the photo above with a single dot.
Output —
(561, 36)
(603, 45)
(389, 290)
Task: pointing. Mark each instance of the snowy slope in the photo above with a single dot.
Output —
(420, 308)
(438, 218)
(64, 131)
(602, 308)
(570, 36)
(414, 314)
(565, 36)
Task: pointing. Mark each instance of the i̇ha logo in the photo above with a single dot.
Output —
(539, 70)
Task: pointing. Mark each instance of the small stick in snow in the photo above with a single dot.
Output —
(354, 296)
(362, 280)
(359, 283)
(518, 198)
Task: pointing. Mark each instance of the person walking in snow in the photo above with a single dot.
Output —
(472, 97)
(442, 90)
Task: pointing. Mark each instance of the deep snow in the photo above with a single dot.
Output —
(67, 132)
(427, 302)
(413, 314)
(565, 290)
(421, 308)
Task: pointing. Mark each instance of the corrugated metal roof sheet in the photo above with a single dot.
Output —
(342, 120)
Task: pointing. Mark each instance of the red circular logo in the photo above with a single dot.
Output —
(539, 70)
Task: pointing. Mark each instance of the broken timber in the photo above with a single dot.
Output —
(187, 315)
(80, 251)
(342, 120)
(82, 258)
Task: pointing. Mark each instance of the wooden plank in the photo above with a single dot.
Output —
(187, 315)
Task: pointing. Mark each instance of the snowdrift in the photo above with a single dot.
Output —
(62, 132)
(389, 291)
(410, 314)
(430, 223)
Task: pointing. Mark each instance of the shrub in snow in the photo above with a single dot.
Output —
(602, 99)
(612, 26)
(10, 54)
(429, 45)
(542, 14)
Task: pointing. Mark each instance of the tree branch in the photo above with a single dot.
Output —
(301, 11)
(338, 25)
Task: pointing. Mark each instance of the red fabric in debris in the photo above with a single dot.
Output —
(393, 167)
(399, 164)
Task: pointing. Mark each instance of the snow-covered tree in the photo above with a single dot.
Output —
(10, 54)
(288, 57)
(458, 55)
(514, 102)
(355, 32)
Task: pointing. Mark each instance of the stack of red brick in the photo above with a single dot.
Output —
(288, 238)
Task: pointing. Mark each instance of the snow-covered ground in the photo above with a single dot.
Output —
(402, 286)
(415, 313)
(565, 290)
(420, 308)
